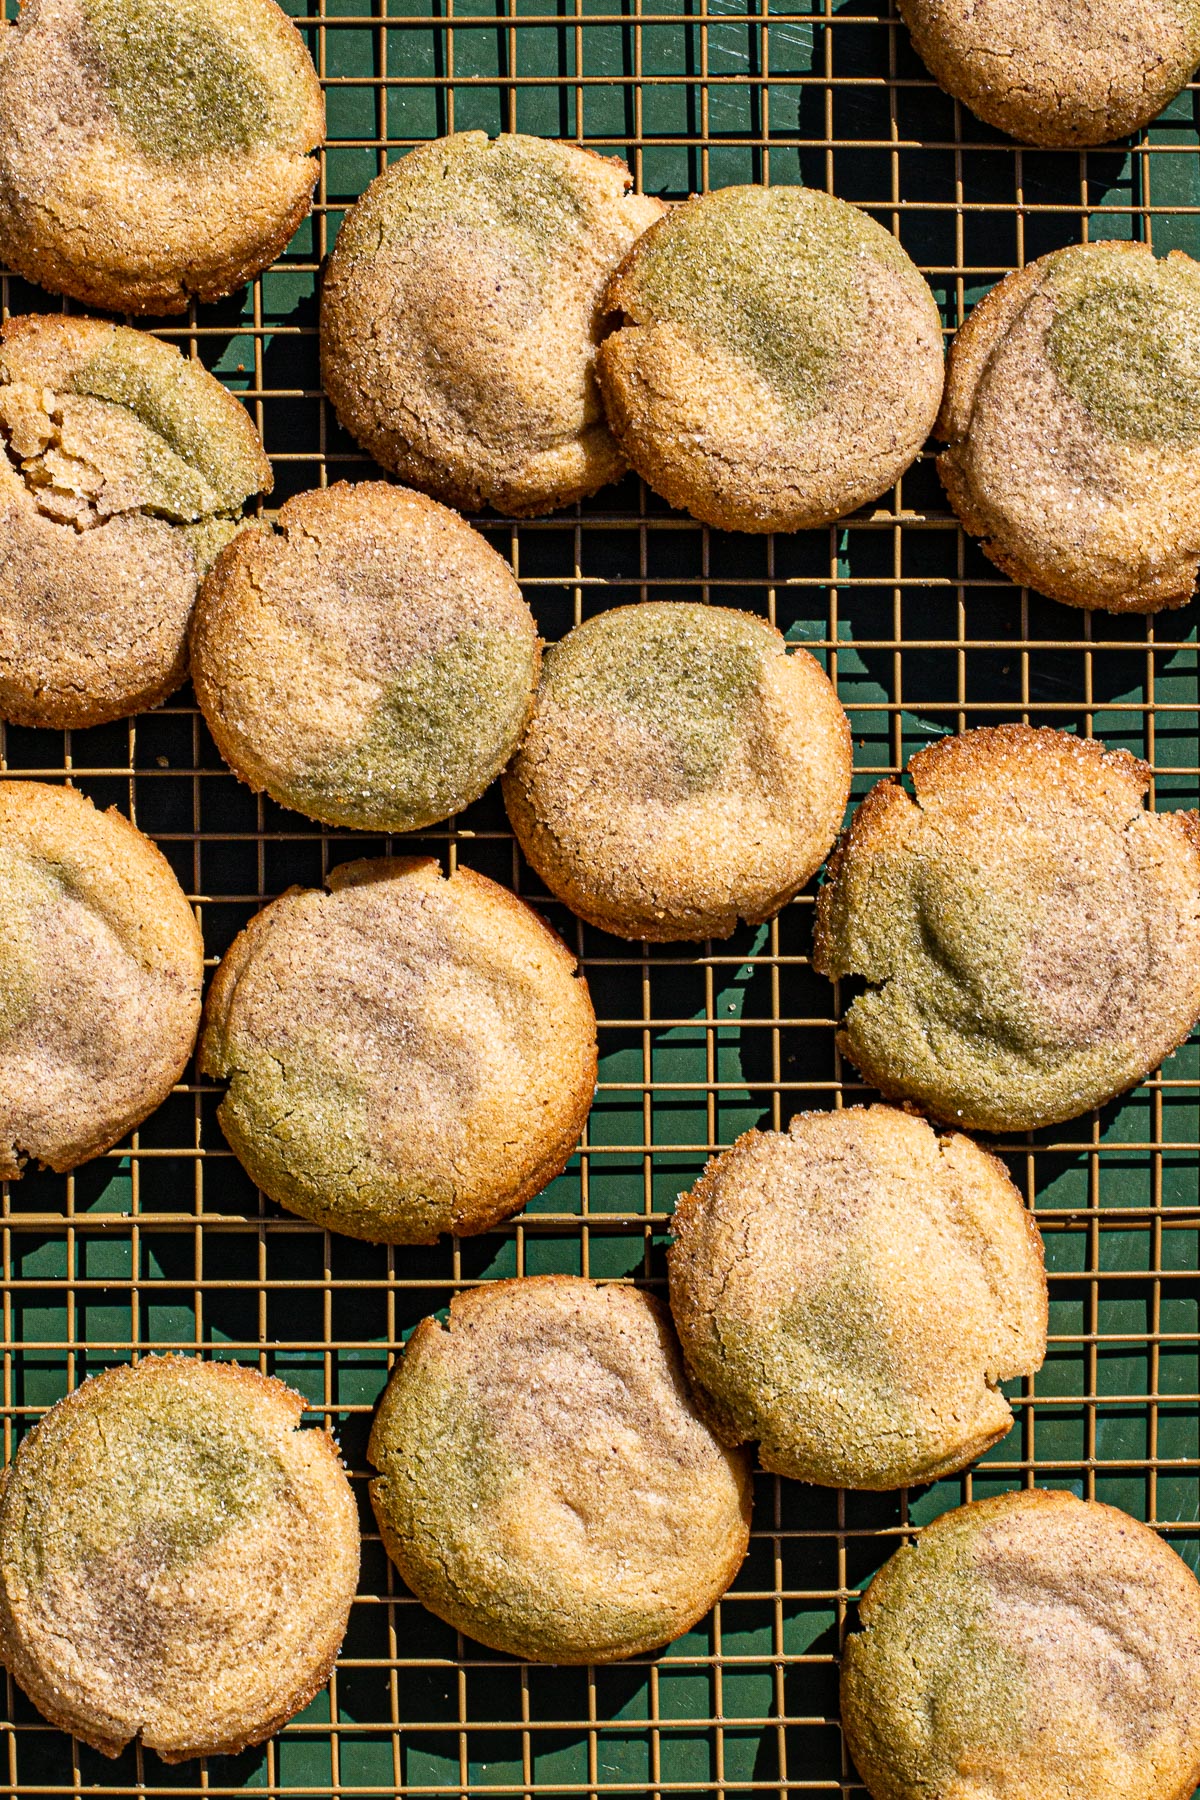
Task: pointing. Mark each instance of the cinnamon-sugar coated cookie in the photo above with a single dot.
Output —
(1028, 1647)
(461, 311)
(177, 1559)
(370, 661)
(850, 1294)
(682, 769)
(776, 359)
(101, 965)
(1059, 71)
(153, 153)
(546, 1484)
(1072, 413)
(124, 467)
(1030, 933)
(406, 1054)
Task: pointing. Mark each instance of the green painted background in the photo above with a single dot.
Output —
(169, 1246)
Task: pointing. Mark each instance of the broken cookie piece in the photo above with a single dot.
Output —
(124, 468)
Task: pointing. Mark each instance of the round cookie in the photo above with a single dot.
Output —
(101, 966)
(776, 361)
(682, 769)
(460, 315)
(406, 1055)
(546, 1483)
(1072, 412)
(153, 153)
(177, 1559)
(123, 470)
(851, 1292)
(1030, 933)
(1028, 1647)
(1069, 72)
(370, 662)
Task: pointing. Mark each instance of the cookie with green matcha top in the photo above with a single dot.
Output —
(101, 965)
(851, 1293)
(177, 1559)
(1027, 1647)
(1080, 73)
(1029, 933)
(1072, 413)
(460, 315)
(406, 1055)
(683, 770)
(546, 1484)
(776, 359)
(369, 661)
(153, 154)
(124, 467)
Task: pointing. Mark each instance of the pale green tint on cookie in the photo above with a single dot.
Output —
(943, 1689)
(152, 1472)
(295, 1118)
(778, 276)
(444, 729)
(832, 1340)
(167, 486)
(953, 943)
(180, 82)
(151, 423)
(173, 399)
(688, 673)
(300, 1122)
(443, 1454)
(1125, 340)
(517, 192)
(451, 1485)
(208, 537)
(839, 1324)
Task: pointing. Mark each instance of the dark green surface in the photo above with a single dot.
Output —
(694, 1047)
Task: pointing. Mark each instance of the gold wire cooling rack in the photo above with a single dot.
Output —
(163, 1244)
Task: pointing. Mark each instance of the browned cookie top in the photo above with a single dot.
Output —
(851, 1292)
(777, 359)
(1029, 1647)
(177, 1559)
(682, 769)
(148, 152)
(1030, 934)
(123, 470)
(406, 1054)
(1072, 411)
(370, 662)
(1059, 71)
(461, 312)
(546, 1483)
(101, 965)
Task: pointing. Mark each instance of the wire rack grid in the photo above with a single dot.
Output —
(163, 1243)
